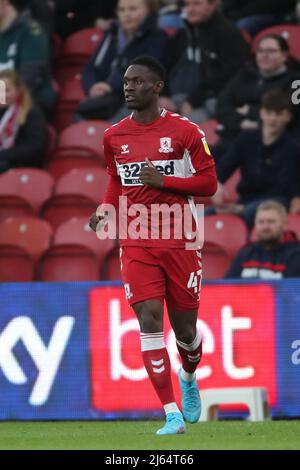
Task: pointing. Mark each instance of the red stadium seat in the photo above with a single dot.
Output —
(56, 45)
(16, 265)
(66, 263)
(215, 262)
(231, 194)
(71, 160)
(77, 49)
(112, 269)
(60, 208)
(227, 231)
(14, 206)
(83, 135)
(69, 98)
(34, 235)
(293, 223)
(210, 128)
(78, 231)
(52, 140)
(82, 44)
(90, 182)
(290, 32)
(33, 184)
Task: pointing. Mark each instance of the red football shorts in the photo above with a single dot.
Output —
(160, 273)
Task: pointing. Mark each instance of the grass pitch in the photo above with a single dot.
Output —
(140, 435)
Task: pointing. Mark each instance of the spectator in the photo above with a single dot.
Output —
(135, 33)
(275, 255)
(267, 158)
(202, 57)
(73, 15)
(253, 16)
(239, 103)
(24, 46)
(23, 129)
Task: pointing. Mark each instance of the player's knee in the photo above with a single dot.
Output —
(186, 334)
(150, 319)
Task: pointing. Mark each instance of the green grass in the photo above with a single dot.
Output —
(136, 435)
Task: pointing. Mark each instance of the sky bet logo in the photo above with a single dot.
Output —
(46, 358)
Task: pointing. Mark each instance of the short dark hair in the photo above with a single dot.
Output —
(20, 5)
(152, 64)
(276, 100)
(281, 41)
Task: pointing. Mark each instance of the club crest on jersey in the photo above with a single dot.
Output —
(165, 145)
(125, 149)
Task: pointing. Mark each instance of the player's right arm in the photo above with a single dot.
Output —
(114, 187)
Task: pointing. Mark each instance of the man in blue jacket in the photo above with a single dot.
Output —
(135, 33)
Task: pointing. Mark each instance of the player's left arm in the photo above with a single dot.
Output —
(204, 180)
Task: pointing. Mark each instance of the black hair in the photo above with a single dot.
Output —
(152, 64)
(281, 41)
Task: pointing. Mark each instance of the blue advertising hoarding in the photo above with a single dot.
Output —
(71, 350)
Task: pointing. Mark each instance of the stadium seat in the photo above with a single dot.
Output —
(290, 32)
(210, 128)
(82, 44)
(77, 230)
(60, 208)
(33, 234)
(90, 182)
(215, 262)
(84, 135)
(56, 43)
(71, 160)
(16, 265)
(69, 99)
(32, 184)
(293, 223)
(77, 49)
(14, 206)
(66, 263)
(228, 231)
(112, 269)
(52, 140)
(231, 194)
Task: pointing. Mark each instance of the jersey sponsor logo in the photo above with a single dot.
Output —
(125, 149)
(165, 145)
(129, 172)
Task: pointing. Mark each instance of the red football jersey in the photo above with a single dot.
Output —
(177, 147)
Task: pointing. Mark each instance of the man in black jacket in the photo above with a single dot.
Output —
(268, 160)
(275, 255)
(239, 103)
(202, 57)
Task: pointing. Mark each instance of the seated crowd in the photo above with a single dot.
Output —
(213, 73)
